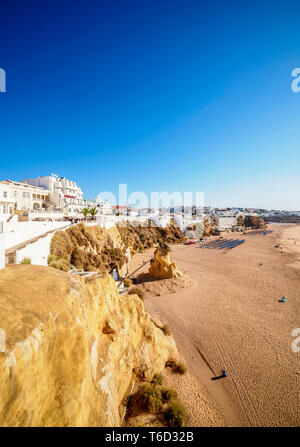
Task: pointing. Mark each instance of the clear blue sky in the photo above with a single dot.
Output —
(177, 95)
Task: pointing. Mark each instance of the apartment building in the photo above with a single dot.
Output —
(26, 197)
(64, 194)
(225, 221)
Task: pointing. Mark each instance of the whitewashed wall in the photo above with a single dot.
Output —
(16, 233)
(38, 251)
(4, 216)
(46, 215)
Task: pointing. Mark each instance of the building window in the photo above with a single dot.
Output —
(5, 194)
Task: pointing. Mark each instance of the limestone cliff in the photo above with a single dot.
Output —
(94, 248)
(73, 348)
(138, 238)
(88, 248)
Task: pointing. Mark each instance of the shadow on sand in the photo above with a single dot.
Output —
(218, 377)
(145, 277)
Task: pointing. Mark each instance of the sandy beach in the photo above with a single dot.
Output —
(228, 315)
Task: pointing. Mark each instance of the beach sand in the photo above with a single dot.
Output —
(228, 316)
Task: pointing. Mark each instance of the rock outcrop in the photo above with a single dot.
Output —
(88, 248)
(162, 266)
(138, 238)
(240, 221)
(256, 222)
(74, 349)
(207, 230)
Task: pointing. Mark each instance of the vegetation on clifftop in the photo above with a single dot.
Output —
(92, 248)
(139, 238)
(87, 248)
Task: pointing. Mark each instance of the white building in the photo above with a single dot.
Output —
(7, 204)
(26, 197)
(103, 206)
(64, 194)
(224, 222)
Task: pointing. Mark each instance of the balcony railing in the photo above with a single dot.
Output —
(44, 211)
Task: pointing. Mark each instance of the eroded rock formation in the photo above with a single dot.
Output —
(138, 238)
(73, 349)
(162, 266)
(255, 222)
(240, 221)
(88, 248)
(207, 230)
(251, 222)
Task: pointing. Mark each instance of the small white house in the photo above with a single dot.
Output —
(7, 203)
(103, 206)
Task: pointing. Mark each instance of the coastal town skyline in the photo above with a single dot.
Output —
(177, 200)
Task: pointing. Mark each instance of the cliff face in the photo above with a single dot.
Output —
(73, 348)
(88, 248)
(94, 248)
(139, 238)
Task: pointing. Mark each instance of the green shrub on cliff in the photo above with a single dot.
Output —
(127, 282)
(180, 368)
(59, 263)
(168, 394)
(150, 398)
(177, 367)
(175, 414)
(157, 379)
